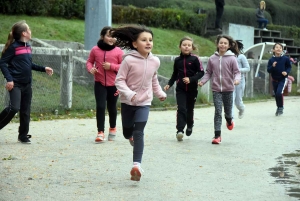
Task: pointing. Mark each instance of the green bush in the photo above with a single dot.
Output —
(288, 32)
(164, 18)
(56, 8)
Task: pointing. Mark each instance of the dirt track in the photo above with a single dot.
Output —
(64, 163)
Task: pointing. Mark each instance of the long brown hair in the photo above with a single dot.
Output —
(233, 44)
(194, 47)
(15, 33)
(127, 34)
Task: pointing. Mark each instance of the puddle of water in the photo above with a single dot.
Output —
(287, 173)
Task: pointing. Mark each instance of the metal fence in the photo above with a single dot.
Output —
(72, 87)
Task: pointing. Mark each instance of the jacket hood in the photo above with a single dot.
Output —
(136, 54)
(228, 53)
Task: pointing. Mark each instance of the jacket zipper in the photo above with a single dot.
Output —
(145, 68)
(184, 70)
(104, 70)
(221, 73)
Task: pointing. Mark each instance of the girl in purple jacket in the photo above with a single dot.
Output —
(222, 69)
(136, 82)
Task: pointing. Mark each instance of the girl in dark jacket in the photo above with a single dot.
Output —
(16, 65)
(187, 71)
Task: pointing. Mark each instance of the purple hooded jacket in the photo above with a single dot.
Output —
(223, 71)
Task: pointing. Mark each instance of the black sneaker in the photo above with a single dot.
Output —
(25, 140)
(189, 131)
(280, 111)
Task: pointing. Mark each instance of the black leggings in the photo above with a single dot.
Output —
(105, 95)
(20, 100)
(134, 120)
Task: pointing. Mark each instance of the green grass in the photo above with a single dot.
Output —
(166, 41)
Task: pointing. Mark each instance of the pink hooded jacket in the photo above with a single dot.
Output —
(223, 71)
(97, 57)
(138, 76)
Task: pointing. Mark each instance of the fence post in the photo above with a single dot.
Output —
(298, 77)
(66, 80)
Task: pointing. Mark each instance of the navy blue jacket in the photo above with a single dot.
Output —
(16, 63)
(187, 66)
(283, 64)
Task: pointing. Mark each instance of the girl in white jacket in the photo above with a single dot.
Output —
(238, 92)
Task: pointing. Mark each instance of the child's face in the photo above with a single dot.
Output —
(186, 47)
(277, 50)
(144, 44)
(108, 39)
(27, 34)
(223, 45)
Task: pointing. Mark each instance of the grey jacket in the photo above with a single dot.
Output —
(223, 71)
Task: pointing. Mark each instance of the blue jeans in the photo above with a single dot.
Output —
(262, 23)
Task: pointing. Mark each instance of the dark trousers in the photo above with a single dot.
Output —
(105, 95)
(262, 23)
(219, 14)
(20, 100)
(185, 108)
(134, 120)
(278, 88)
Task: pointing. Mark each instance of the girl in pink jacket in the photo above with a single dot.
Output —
(223, 70)
(136, 82)
(104, 62)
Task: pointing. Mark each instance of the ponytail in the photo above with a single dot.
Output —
(10, 40)
(16, 33)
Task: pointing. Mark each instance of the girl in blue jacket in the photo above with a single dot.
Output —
(279, 67)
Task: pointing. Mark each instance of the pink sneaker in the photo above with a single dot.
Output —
(100, 137)
(231, 126)
(216, 140)
(136, 172)
(112, 134)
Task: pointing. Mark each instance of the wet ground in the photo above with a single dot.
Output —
(64, 163)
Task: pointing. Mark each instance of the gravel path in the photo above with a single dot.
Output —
(64, 163)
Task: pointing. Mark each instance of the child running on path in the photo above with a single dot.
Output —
(104, 62)
(16, 65)
(137, 81)
(187, 71)
(279, 67)
(238, 92)
(222, 69)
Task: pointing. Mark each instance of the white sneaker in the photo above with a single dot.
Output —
(241, 113)
(265, 29)
(136, 172)
(179, 136)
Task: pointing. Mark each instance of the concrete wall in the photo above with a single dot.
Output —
(240, 32)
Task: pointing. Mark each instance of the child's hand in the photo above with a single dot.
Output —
(186, 80)
(132, 99)
(274, 64)
(162, 99)
(200, 84)
(284, 73)
(93, 70)
(9, 85)
(236, 82)
(166, 87)
(49, 71)
(106, 65)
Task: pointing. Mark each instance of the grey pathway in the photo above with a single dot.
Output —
(64, 163)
